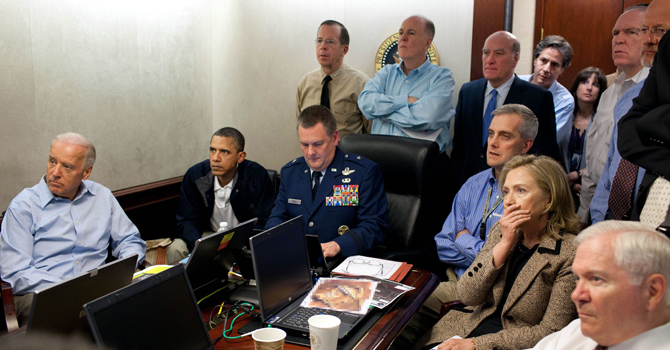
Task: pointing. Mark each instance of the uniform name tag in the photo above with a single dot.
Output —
(294, 201)
(343, 196)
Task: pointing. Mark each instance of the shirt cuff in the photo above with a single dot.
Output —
(465, 240)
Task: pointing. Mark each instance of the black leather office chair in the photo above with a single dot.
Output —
(416, 181)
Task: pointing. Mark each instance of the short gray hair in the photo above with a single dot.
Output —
(77, 139)
(528, 129)
(428, 26)
(639, 250)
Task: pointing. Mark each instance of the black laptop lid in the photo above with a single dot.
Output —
(281, 266)
(210, 261)
(159, 312)
(58, 308)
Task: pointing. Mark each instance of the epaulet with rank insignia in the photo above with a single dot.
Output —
(358, 159)
(299, 160)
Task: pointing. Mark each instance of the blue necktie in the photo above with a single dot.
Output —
(315, 178)
(488, 116)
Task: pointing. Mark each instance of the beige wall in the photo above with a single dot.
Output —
(261, 49)
(148, 81)
(132, 76)
(523, 27)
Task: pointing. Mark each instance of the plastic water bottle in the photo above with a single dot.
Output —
(222, 227)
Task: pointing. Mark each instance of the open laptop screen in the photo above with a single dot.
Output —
(159, 312)
(281, 265)
(58, 308)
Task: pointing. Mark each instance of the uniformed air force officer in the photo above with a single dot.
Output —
(340, 196)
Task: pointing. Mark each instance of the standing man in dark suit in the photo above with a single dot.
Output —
(340, 196)
(478, 99)
(644, 133)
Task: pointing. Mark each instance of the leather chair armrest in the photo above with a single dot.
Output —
(8, 306)
(448, 306)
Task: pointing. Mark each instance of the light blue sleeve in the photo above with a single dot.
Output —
(599, 203)
(373, 100)
(16, 253)
(433, 110)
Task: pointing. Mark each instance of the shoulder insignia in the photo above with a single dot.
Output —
(346, 156)
(359, 157)
(333, 170)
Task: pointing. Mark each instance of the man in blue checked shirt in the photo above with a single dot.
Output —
(478, 204)
(62, 226)
(412, 98)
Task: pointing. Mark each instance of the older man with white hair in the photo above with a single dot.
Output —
(622, 296)
(62, 226)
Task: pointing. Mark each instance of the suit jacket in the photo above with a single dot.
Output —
(538, 304)
(356, 228)
(644, 132)
(468, 155)
(252, 197)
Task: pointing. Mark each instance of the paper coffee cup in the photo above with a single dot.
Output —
(269, 339)
(323, 331)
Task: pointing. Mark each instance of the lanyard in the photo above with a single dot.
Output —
(485, 216)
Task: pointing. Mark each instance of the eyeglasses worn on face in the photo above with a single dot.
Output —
(656, 32)
(328, 42)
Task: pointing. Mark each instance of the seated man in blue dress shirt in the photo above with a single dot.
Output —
(551, 57)
(62, 226)
(412, 98)
(477, 206)
(339, 195)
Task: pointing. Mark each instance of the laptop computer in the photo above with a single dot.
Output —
(283, 280)
(58, 308)
(156, 313)
(208, 265)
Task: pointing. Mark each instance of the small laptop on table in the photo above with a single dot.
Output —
(212, 257)
(283, 280)
(59, 308)
(156, 313)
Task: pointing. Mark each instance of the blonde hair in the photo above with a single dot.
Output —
(553, 182)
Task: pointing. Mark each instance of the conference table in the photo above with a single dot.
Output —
(382, 333)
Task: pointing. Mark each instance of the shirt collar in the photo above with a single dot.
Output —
(420, 70)
(642, 74)
(492, 181)
(336, 76)
(502, 89)
(230, 185)
(46, 196)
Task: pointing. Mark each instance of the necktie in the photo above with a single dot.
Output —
(656, 207)
(325, 98)
(622, 189)
(488, 116)
(315, 178)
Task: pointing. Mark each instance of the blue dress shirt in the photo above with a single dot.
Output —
(384, 100)
(564, 106)
(599, 203)
(46, 239)
(466, 214)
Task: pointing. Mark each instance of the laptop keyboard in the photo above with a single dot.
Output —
(300, 316)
